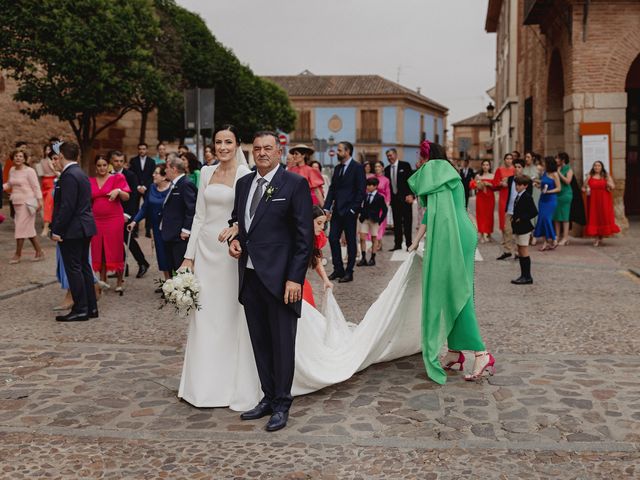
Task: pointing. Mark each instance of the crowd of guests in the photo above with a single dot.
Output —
(553, 201)
(537, 200)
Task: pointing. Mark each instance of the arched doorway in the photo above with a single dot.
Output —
(632, 182)
(554, 121)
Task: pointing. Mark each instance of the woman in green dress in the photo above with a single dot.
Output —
(448, 310)
(562, 215)
(192, 167)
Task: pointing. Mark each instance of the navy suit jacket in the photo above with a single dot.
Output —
(72, 215)
(509, 186)
(130, 207)
(280, 238)
(524, 210)
(347, 191)
(178, 210)
(145, 176)
(403, 174)
(375, 211)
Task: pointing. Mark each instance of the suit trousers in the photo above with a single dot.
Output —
(507, 235)
(75, 256)
(272, 328)
(402, 220)
(348, 225)
(175, 251)
(134, 247)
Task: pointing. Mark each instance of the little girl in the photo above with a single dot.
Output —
(319, 222)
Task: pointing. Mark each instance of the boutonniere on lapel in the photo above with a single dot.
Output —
(269, 192)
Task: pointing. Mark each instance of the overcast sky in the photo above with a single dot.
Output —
(438, 45)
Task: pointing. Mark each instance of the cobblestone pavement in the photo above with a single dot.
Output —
(98, 399)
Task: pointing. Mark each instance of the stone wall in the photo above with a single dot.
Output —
(15, 126)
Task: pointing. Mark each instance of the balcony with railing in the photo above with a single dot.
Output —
(369, 135)
(301, 136)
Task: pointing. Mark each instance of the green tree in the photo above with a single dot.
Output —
(80, 59)
(242, 98)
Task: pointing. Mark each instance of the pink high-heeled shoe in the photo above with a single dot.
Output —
(452, 364)
(489, 367)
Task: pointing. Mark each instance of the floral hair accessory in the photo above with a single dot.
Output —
(425, 149)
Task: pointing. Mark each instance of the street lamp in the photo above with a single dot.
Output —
(490, 111)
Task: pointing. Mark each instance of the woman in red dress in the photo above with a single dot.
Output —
(319, 222)
(301, 155)
(601, 220)
(500, 182)
(485, 201)
(107, 246)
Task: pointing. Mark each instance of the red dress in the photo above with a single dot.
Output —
(485, 206)
(601, 220)
(502, 173)
(313, 177)
(108, 243)
(307, 291)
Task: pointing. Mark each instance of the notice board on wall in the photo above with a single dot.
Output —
(596, 145)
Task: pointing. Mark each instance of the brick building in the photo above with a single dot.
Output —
(369, 111)
(577, 68)
(472, 139)
(15, 126)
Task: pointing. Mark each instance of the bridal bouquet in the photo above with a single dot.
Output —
(182, 292)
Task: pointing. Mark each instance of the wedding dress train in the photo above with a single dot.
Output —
(219, 368)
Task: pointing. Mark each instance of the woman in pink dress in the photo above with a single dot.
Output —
(107, 246)
(384, 189)
(301, 156)
(26, 198)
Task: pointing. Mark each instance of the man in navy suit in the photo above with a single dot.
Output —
(273, 212)
(72, 227)
(177, 212)
(344, 200)
(143, 166)
(402, 198)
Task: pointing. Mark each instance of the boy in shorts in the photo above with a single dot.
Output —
(524, 210)
(373, 212)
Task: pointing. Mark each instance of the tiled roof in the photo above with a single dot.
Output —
(309, 85)
(478, 120)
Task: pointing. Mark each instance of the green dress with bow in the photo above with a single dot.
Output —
(448, 311)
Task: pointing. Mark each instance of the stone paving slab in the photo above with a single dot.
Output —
(70, 456)
(548, 401)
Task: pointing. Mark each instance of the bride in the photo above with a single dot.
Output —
(219, 368)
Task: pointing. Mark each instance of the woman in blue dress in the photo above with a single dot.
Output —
(549, 185)
(153, 202)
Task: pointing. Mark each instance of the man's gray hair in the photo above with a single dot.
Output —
(173, 160)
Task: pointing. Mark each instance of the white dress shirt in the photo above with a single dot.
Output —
(143, 161)
(68, 165)
(345, 166)
(512, 198)
(247, 215)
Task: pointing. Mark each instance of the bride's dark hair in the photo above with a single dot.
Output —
(230, 128)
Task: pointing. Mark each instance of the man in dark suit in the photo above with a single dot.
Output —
(143, 166)
(130, 207)
(273, 212)
(402, 198)
(344, 200)
(72, 227)
(466, 175)
(177, 212)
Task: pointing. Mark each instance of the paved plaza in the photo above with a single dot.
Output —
(98, 399)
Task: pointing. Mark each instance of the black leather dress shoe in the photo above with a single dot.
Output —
(259, 411)
(504, 256)
(362, 263)
(277, 421)
(395, 247)
(335, 276)
(142, 269)
(522, 281)
(346, 278)
(94, 313)
(158, 290)
(372, 262)
(73, 317)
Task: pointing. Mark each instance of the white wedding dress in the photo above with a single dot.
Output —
(219, 367)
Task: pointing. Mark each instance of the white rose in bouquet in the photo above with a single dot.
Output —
(168, 287)
(178, 283)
